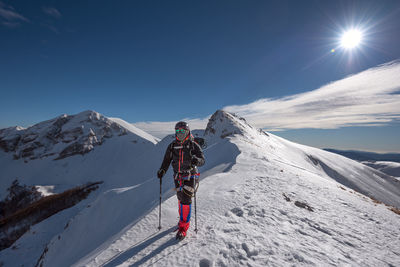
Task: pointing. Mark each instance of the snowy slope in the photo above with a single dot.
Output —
(135, 130)
(124, 157)
(388, 167)
(244, 220)
(70, 150)
(243, 216)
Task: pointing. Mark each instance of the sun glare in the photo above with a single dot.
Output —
(351, 39)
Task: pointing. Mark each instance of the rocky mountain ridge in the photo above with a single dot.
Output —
(61, 137)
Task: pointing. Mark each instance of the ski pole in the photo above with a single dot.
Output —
(159, 212)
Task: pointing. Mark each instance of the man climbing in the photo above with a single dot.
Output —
(185, 155)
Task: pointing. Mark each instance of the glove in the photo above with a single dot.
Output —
(160, 173)
(195, 161)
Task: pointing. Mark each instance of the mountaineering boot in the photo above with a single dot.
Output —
(180, 235)
(182, 230)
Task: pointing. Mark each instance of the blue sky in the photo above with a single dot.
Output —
(162, 61)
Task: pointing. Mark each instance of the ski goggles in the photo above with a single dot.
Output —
(180, 131)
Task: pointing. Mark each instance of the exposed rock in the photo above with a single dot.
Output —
(224, 124)
(29, 138)
(61, 121)
(63, 136)
(19, 197)
(73, 149)
(71, 135)
(9, 145)
(27, 152)
(303, 205)
(10, 137)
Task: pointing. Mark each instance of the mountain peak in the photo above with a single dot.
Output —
(64, 136)
(224, 124)
(90, 114)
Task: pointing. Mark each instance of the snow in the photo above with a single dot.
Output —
(27, 250)
(11, 131)
(388, 167)
(135, 130)
(243, 217)
(118, 151)
(45, 190)
(244, 220)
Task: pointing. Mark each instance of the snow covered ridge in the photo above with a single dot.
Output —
(347, 172)
(65, 136)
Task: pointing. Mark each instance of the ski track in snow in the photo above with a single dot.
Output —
(244, 219)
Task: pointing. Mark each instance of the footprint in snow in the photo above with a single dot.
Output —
(237, 211)
(205, 263)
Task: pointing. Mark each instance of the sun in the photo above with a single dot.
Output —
(351, 39)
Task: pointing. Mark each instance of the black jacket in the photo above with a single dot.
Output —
(181, 156)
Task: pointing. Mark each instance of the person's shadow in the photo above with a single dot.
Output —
(136, 248)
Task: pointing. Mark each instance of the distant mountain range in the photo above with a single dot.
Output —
(366, 156)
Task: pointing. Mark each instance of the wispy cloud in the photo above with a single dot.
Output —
(369, 98)
(10, 17)
(51, 11)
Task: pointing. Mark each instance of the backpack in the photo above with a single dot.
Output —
(201, 142)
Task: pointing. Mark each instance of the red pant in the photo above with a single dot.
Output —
(184, 216)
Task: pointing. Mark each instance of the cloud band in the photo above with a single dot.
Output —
(369, 98)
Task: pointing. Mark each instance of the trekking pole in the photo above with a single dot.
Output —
(195, 214)
(195, 209)
(159, 212)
